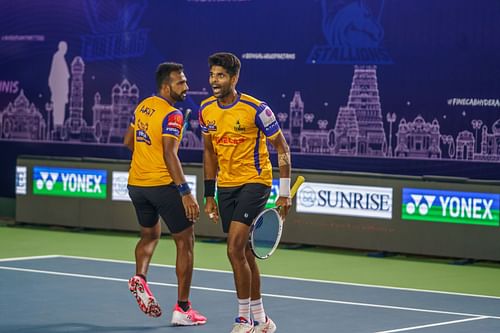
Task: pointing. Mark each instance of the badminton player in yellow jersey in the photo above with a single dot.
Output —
(236, 128)
(157, 187)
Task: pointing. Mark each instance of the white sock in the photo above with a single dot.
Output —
(258, 310)
(244, 308)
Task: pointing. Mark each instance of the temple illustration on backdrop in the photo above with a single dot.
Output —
(358, 131)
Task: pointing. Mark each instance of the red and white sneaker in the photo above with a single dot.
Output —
(268, 327)
(190, 317)
(144, 297)
(243, 325)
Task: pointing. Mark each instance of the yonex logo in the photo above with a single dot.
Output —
(48, 180)
(450, 206)
(423, 207)
(86, 183)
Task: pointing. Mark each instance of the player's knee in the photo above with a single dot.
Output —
(184, 245)
(235, 252)
(151, 236)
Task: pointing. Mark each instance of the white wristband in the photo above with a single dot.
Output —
(284, 187)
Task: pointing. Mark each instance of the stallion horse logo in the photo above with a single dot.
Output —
(354, 34)
(115, 29)
(352, 26)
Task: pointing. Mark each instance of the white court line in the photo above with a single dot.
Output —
(433, 325)
(309, 299)
(295, 278)
(263, 275)
(30, 258)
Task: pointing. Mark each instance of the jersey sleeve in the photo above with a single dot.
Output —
(203, 125)
(172, 124)
(132, 120)
(266, 121)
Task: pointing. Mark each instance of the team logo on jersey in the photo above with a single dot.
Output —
(141, 134)
(211, 125)
(238, 127)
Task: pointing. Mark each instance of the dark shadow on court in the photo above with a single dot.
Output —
(80, 327)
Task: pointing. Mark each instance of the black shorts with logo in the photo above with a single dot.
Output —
(241, 203)
(150, 202)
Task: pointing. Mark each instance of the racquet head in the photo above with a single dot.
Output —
(266, 228)
(265, 233)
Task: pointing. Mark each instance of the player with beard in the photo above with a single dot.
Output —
(158, 187)
(236, 128)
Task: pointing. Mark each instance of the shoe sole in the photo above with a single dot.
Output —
(188, 324)
(270, 329)
(181, 322)
(147, 304)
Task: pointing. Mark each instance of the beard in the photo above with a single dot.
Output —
(178, 97)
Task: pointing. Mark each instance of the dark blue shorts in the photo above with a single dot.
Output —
(151, 202)
(241, 203)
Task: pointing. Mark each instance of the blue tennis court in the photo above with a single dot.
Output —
(75, 294)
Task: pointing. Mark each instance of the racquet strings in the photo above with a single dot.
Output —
(265, 234)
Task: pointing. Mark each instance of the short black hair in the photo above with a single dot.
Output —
(226, 60)
(163, 72)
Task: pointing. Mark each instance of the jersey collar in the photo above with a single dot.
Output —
(163, 98)
(238, 96)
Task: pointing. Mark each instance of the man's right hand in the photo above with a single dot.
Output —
(211, 209)
(191, 207)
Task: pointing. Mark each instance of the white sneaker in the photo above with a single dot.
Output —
(268, 327)
(242, 325)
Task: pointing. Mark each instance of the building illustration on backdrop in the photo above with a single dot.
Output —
(112, 120)
(358, 130)
(22, 120)
(418, 139)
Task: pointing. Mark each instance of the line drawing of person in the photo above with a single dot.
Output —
(59, 83)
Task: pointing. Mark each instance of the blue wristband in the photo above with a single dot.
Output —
(184, 189)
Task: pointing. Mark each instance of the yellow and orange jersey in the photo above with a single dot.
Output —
(238, 133)
(153, 119)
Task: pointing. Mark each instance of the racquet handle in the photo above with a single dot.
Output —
(296, 185)
(186, 119)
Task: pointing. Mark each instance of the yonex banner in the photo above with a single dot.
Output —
(451, 207)
(350, 200)
(119, 190)
(65, 182)
(21, 177)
